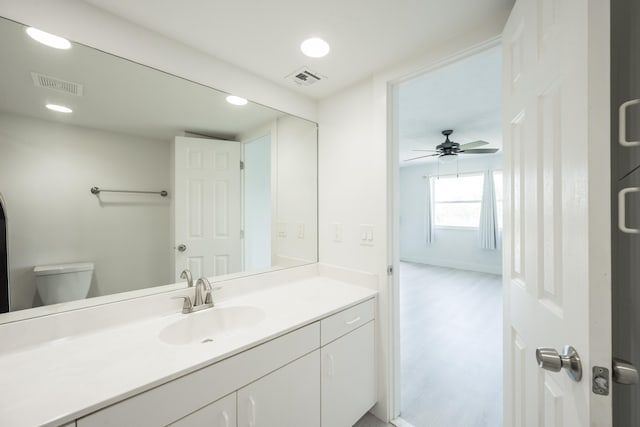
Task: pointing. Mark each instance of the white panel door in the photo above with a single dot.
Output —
(207, 206)
(557, 204)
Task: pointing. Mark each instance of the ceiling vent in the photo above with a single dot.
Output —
(48, 82)
(305, 77)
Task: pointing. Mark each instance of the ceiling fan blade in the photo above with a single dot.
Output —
(421, 157)
(473, 144)
(480, 151)
(433, 151)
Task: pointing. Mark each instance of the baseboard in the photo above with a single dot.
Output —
(481, 268)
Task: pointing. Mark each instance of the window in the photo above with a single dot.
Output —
(457, 200)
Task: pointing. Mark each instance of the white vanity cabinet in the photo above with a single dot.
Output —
(348, 365)
(319, 375)
(221, 413)
(288, 397)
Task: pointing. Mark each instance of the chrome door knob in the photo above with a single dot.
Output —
(551, 360)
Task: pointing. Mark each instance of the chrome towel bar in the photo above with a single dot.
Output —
(97, 190)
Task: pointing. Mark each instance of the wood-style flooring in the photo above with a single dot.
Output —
(451, 347)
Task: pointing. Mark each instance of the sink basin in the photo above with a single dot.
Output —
(210, 324)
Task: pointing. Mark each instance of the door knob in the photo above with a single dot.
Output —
(624, 372)
(549, 359)
(181, 247)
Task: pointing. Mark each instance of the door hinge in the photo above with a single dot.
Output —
(389, 270)
(242, 234)
(241, 165)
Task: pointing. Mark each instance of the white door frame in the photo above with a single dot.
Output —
(393, 216)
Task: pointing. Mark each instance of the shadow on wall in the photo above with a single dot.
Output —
(4, 268)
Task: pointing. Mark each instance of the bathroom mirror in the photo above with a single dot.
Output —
(240, 180)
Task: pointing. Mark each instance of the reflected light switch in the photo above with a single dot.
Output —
(282, 229)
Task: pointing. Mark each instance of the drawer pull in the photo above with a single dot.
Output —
(225, 419)
(351, 322)
(252, 412)
(330, 365)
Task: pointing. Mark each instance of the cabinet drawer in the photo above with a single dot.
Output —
(221, 413)
(346, 321)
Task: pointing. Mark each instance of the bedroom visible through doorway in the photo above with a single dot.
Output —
(449, 133)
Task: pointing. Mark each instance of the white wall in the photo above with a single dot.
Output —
(296, 191)
(46, 171)
(355, 162)
(257, 203)
(87, 24)
(456, 248)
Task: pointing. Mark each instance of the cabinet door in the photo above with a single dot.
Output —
(287, 397)
(221, 413)
(348, 377)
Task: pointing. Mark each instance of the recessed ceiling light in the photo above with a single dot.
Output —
(48, 39)
(59, 108)
(236, 100)
(314, 47)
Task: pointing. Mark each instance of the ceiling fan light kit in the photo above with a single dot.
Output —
(449, 150)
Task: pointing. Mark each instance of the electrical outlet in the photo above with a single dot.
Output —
(337, 232)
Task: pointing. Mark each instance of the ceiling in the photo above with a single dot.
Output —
(264, 36)
(119, 95)
(465, 96)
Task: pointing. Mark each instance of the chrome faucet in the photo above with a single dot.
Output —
(186, 274)
(202, 286)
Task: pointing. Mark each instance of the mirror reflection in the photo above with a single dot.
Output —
(240, 180)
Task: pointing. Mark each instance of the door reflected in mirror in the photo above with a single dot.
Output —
(241, 180)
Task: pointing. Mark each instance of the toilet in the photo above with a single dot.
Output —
(63, 282)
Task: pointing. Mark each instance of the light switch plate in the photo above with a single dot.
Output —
(366, 235)
(300, 228)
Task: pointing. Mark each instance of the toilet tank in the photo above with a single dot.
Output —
(63, 282)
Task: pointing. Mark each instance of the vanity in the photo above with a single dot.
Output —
(298, 351)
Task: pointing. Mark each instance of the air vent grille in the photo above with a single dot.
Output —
(305, 77)
(48, 82)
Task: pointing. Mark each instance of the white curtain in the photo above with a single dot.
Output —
(489, 214)
(428, 221)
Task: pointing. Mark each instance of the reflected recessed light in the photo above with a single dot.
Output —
(59, 108)
(236, 100)
(314, 47)
(50, 40)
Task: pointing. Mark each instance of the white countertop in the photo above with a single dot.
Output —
(58, 381)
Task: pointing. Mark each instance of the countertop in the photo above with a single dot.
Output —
(59, 381)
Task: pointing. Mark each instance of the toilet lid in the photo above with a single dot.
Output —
(45, 270)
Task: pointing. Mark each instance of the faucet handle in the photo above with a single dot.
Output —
(186, 274)
(187, 307)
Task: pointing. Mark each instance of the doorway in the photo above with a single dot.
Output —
(449, 134)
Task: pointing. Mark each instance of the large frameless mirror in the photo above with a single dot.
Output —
(149, 174)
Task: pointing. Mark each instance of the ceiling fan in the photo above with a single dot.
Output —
(449, 150)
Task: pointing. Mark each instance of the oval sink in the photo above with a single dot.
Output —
(206, 325)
